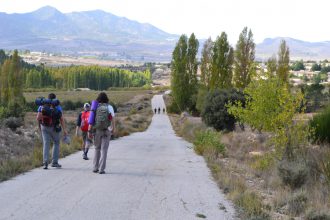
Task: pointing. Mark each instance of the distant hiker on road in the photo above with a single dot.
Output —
(51, 122)
(101, 128)
(82, 124)
(155, 110)
(158, 110)
(163, 110)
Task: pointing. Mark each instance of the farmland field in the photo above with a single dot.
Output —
(117, 97)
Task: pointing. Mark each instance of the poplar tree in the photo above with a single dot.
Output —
(206, 63)
(179, 73)
(283, 62)
(244, 59)
(184, 72)
(192, 66)
(5, 82)
(271, 66)
(222, 61)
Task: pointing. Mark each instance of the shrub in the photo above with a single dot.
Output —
(68, 105)
(15, 109)
(317, 215)
(324, 165)
(173, 108)
(13, 123)
(3, 112)
(297, 203)
(31, 107)
(208, 140)
(321, 126)
(293, 173)
(132, 111)
(264, 162)
(215, 112)
(252, 205)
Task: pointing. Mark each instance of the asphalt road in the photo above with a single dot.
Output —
(149, 175)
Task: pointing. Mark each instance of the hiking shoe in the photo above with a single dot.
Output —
(102, 172)
(57, 165)
(85, 157)
(95, 171)
(45, 165)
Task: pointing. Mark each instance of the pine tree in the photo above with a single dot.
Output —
(223, 57)
(206, 63)
(283, 62)
(244, 59)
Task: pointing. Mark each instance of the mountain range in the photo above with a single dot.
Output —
(298, 49)
(107, 36)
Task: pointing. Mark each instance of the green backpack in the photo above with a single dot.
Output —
(102, 121)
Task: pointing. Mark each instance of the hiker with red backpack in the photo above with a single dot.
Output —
(82, 124)
(51, 122)
(101, 126)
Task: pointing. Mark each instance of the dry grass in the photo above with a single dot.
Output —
(249, 175)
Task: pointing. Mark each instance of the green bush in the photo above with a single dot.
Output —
(209, 140)
(173, 108)
(320, 124)
(215, 112)
(263, 163)
(3, 112)
(293, 173)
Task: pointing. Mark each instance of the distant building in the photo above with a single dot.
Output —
(82, 89)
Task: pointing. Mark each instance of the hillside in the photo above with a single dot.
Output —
(298, 49)
(85, 33)
(109, 37)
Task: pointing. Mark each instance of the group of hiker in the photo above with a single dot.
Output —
(155, 110)
(96, 123)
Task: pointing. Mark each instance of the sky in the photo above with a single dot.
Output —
(306, 20)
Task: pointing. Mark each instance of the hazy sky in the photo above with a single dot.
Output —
(302, 19)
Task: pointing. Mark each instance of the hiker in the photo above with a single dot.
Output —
(100, 128)
(82, 124)
(158, 110)
(155, 110)
(163, 110)
(51, 122)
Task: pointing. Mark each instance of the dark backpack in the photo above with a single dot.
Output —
(102, 119)
(50, 116)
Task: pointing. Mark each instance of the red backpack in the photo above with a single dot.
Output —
(84, 121)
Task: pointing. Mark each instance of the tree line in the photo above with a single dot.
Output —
(92, 77)
(222, 67)
(72, 77)
(16, 75)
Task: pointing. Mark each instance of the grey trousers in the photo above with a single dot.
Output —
(48, 135)
(101, 142)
